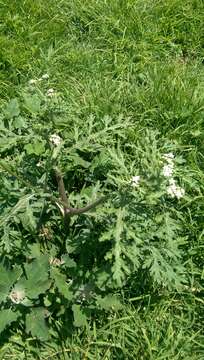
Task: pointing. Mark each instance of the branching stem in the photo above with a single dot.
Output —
(64, 199)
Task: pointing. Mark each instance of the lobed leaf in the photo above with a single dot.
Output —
(80, 318)
(7, 316)
(36, 325)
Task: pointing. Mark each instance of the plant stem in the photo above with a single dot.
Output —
(68, 210)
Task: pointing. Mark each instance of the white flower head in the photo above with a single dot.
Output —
(180, 193)
(45, 77)
(55, 139)
(33, 82)
(168, 157)
(174, 190)
(135, 181)
(17, 295)
(51, 92)
(168, 170)
(39, 164)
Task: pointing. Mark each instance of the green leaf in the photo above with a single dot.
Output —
(10, 213)
(102, 279)
(80, 318)
(12, 109)
(61, 284)
(19, 122)
(117, 268)
(36, 325)
(32, 103)
(7, 316)
(109, 302)
(41, 288)
(38, 268)
(36, 281)
(79, 161)
(27, 219)
(34, 250)
(7, 280)
(68, 262)
(37, 148)
(29, 149)
(7, 142)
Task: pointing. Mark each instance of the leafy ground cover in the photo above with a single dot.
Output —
(103, 100)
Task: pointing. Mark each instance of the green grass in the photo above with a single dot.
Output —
(143, 59)
(160, 329)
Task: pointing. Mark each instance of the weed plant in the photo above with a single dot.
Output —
(101, 212)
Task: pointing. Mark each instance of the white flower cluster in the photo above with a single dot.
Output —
(169, 166)
(55, 139)
(135, 181)
(173, 189)
(35, 81)
(44, 77)
(51, 92)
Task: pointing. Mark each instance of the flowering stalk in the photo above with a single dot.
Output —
(173, 189)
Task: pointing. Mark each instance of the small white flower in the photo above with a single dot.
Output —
(55, 139)
(168, 170)
(17, 295)
(39, 164)
(180, 192)
(172, 182)
(168, 157)
(175, 191)
(135, 180)
(51, 92)
(45, 77)
(32, 82)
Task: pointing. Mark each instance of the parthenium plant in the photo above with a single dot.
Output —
(50, 170)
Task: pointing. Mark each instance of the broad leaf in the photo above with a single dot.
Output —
(61, 284)
(68, 262)
(80, 318)
(7, 316)
(32, 103)
(12, 109)
(109, 302)
(36, 148)
(7, 280)
(36, 325)
(27, 218)
(36, 281)
(19, 122)
(34, 250)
